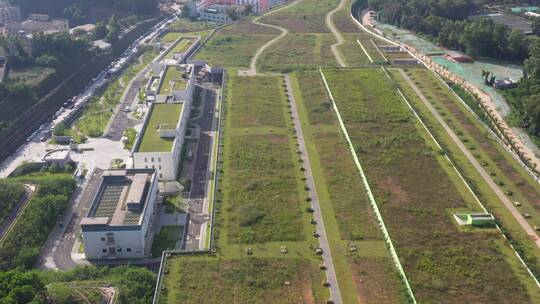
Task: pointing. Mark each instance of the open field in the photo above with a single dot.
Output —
(502, 168)
(232, 50)
(262, 207)
(247, 280)
(346, 210)
(298, 51)
(256, 103)
(399, 160)
(266, 207)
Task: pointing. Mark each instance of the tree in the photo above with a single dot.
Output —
(114, 29)
(517, 45)
(232, 13)
(100, 31)
(248, 9)
(536, 26)
(185, 11)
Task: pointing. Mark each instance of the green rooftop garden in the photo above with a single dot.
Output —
(181, 46)
(173, 81)
(161, 114)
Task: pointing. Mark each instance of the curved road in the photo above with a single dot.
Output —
(330, 23)
(253, 65)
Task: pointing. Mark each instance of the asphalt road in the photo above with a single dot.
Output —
(121, 120)
(56, 252)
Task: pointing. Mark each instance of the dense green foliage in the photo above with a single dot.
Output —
(22, 244)
(525, 99)
(136, 285)
(446, 22)
(10, 194)
(78, 10)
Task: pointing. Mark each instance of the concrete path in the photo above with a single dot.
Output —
(330, 23)
(485, 175)
(317, 215)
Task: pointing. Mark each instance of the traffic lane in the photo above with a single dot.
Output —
(201, 167)
(62, 255)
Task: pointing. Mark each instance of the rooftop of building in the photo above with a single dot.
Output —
(175, 78)
(120, 198)
(180, 46)
(161, 116)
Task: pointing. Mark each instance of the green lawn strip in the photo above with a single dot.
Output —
(257, 102)
(414, 193)
(98, 111)
(232, 50)
(270, 160)
(166, 239)
(344, 260)
(173, 81)
(263, 182)
(298, 51)
(181, 46)
(476, 181)
(161, 114)
(170, 37)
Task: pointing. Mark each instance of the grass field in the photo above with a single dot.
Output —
(501, 166)
(346, 210)
(262, 207)
(247, 280)
(298, 51)
(232, 50)
(441, 261)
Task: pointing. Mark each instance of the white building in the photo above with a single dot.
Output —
(216, 13)
(120, 221)
(159, 143)
(171, 82)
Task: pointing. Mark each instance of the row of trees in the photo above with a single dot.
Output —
(22, 245)
(10, 194)
(447, 23)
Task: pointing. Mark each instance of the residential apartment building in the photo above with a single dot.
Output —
(120, 221)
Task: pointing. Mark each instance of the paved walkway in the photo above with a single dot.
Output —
(485, 175)
(317, 214)
(339, 37)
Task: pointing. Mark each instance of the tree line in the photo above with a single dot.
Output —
(447, 24)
